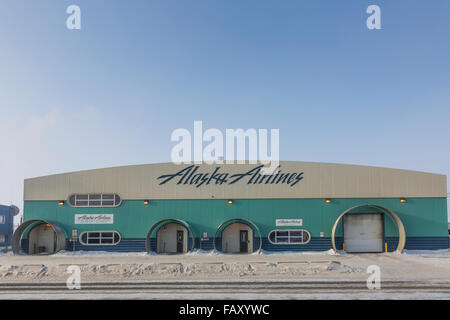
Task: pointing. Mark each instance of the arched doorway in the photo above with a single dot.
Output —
(172, 236)
(41, 240)
(44, 237)
(370, 222)
(237, 236)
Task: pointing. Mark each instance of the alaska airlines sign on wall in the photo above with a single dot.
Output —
(94, 219)
(191, 176)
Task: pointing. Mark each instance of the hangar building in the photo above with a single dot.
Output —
(234, 208)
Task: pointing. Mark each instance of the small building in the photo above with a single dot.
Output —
(234, 208)
(7, 214)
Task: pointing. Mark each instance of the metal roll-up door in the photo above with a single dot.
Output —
(363, 232)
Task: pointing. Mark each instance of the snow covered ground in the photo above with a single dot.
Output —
(105, 266)
(430, 268)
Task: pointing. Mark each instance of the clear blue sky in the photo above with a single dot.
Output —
(111, 93)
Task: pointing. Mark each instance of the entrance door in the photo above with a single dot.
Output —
(363, 232)
(180, 241)
(42, 239)
(243, 236)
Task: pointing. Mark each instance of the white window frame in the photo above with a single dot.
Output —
(115, 196)
(2, 219)
(289, 237)
(100, 237)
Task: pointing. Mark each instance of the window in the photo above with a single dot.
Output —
(96, 238)
(289, 236)
(3, 238)
(94, 200)
(2, 219)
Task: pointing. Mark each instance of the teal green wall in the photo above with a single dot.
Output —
(421, 216)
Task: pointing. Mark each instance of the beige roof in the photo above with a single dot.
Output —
(303, 180)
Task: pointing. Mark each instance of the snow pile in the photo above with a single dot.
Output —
(329, 252)
(439, 251)
(200, 252)
(174, 270)
(98, 253)
(24, 271)
(343, 268)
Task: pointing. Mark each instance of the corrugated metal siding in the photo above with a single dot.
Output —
(320, 180)
(422, 217)
(419, 243)
(426, 243)
(125, 245)
(316, 244)
(392, 243)
(205, 244)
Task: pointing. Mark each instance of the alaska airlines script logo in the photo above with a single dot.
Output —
(190, 176)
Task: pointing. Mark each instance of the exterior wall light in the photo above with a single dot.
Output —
(402, 200)
(327, 200)
(146, 202)
(61, 203)
(230, 201)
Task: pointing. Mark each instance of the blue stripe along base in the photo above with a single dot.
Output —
(316, 244)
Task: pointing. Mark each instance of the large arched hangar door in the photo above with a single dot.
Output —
(398, 222)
